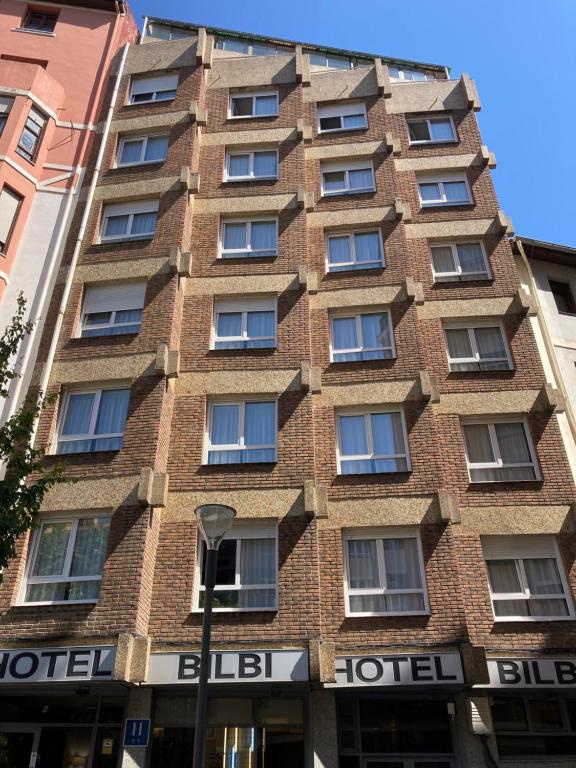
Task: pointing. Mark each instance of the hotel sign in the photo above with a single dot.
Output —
(48, 665)
(408, 669)
(230, 667)
(532, 673)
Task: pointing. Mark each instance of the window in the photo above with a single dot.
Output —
(333, 61)
(31, 135)
(93, 420)
(263, 104)
(444, 190)
(478, 347)
(541, 725)
(247, 47)
(137, 150)
(129, 221)
(67, 559)
(526, 578)
(112, 309)
(563, 297)
(459, 261)
(372, 441)
(347, 178)
(410, 75)
(256, 164)
(247, 570)
(245, 323)
(499, 452)
(255, 238)
(10, 203)
(354, 250)
(166, 32)
(342, 117)
(242, 432)
(38, 21)
(366, 336)
(384, 574)
(428, 130)
(6, 103)
(145, 89)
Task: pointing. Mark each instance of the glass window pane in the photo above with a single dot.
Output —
(265, 163)
(229, 324)
(543, 576)
(226, 566)
(261, 324)
(90, 546)
(266, 105)
(263, 237)
(257, 562)
(242, 106)
(362, 564)
(455, 190)
(503, 576)
(545, 714)
(549, 607)
(261, 49)
(330, 123)
(115, 226)
(144, 223)
(419, 131)
(367, 245)
(131, 151)
(52, 549)
(375, 330)
(509, 608)
(156, 148)
(113, 411)
(508, 714)
(429, 192)
(78, 413)
(471, 257)
(512, 443)
(344, 333)
(361, 179)
(387, 434)
(478, 443)
(238, 165)
(353, 441)
(225, 425)
(235, 236)
(334, 181)
(459, 346)
(354, 121)
(402, 564)
(441, 130)
(443, 259)
(260, 424)
(490, 343)
(339, 250)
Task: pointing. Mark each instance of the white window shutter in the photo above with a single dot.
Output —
(341, 109)
(114, 296)
(136, 206)
(517, 547)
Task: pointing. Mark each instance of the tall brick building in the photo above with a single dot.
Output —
(294, 292)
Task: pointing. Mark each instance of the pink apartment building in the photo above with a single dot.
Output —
(54, 63)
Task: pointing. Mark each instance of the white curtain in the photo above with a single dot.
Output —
(229, 324)
(363, 564)
(471, 258)
(261, 327)
(90, 546)
(429, 192)
(512, 443)
(52, 549)
(459, 347)
(443, 259)
(504, 579)
(441, 130)
(478, 443)
(156, 148)
(387, 433)
(402, 566)
(543, 576)
(257, 566)
(111, 418)
(491, 345)
(225, 425)
(344, 337)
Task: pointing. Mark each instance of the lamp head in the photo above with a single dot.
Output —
(214, 521)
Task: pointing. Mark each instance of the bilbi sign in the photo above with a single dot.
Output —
(408, 669)
(532, 673)
(43, 665)
(230, 667)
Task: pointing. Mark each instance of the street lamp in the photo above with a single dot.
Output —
(214, 520)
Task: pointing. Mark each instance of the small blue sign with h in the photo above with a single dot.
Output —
(137, 733)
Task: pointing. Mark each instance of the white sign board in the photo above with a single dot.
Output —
(532, 673)
(421, 669)
(41, 665)
(229, 667)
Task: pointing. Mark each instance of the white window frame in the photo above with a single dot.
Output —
(240, 446)
(447, 277)
(341, 110)
(240, 531)
(250, 153)
(367, 411)
(223, 305)
(401, 76)
(355, 165)
(91, 435)
(74, 518)
(357, 313)
(350, 234)
(379, 534)
(251, 95)
(441, 179)
(144, 139)
(470, 326)
(429, 119)
(154, 93)
(103, 326)
(549, 550)
(490, 421)
(111, 210)
(232, 253)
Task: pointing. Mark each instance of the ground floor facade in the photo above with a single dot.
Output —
(63, 707)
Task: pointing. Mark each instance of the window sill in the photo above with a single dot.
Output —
(372, 474)
(59, 603)
(247, 349)
(349, 192)
(137, 165)
(105, 336)
(475, 373)
(150, 101)
(353, 270)
(426, 206)
(33, 32)
(386, 615)
(200, 611)
(342, 130)
(456, 280)
(251, 117)
(433, 142)
(531, 620)
(475, 483)
(244, 258)
(112, 240)
(242, 464)
(249, 178)
(97, 454)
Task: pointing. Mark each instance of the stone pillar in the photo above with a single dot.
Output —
(323, 733)
(139, 706)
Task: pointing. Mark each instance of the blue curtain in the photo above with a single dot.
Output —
(261, 324)
(429, 192)
(229, 324)
(234, 236)
(367, 247)
(131, 151)
(353, 440)
(111, 419)
(344, 333)
(361, 179)
(156, 148)
(259, 429)
(144, 223)
(354, 121)
(265, 163)
(225, 425)
(455, 190)
(375, 330)
(339, 252)
(116, 226)
(334, 181)
(266, 105)
(471, 257)
(263, 237)
(238, 165)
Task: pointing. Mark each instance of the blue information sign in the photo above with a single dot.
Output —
(137, 733)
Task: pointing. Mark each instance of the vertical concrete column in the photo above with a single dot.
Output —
(139, 706)
(468, 749)
(323, 733)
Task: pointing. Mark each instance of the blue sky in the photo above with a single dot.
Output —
(522, 54)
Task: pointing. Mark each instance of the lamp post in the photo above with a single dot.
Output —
(214, 520)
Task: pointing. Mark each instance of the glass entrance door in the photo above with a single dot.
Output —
(18, 748)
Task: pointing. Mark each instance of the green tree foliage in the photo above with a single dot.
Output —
(26, 480)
